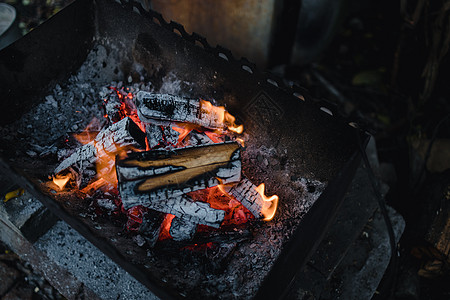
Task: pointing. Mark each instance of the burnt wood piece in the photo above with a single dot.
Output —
(153, 106)
(183, 207)
(112, 106)
(182, 229)
(194, 212)
(199, 138)
(150, 176)
(160, 135)
(245, 192)
(124, 135)
(151, 226)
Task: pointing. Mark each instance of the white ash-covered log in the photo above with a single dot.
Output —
(246, 193)
(145, 177)
(123, 135)
(193, 211)
(153, 106)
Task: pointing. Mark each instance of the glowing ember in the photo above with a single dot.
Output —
(94, 186)
(165, 227)
(127, 107)
(270, 203)
(184, 131)
(135, 215)
(218, 198)
(216, 138)
(61, 181)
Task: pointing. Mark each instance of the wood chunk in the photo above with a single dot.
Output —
(153, 106)
(199, 138)
(112, 106)
(160, 135)
(245, 193)
(151, 226)
(182, 229)
(193, 211)
(169, 174)
(124, 134)
(182, 207)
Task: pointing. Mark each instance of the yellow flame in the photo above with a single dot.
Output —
(270, 203)
(61, 181)
(222, 116)
(105, 165)
(241, 142)
(229, 121)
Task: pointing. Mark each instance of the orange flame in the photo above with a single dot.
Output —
(87, 135)
(241, 142)
(216, 138)
(183, 131)
(221, 115)
(61, 181)
(270, 203)
(94, 186)
(165, 228)
(106, 166)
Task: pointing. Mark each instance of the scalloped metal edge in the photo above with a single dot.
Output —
(247, 66)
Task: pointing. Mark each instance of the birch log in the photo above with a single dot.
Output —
(153, 106)
(150, 176)
(124, 134)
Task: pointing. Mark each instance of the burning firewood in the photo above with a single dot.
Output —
(194, 212)
(253, 198)
(160, 135)
(123, 135)
(146, 177)
(153, 106)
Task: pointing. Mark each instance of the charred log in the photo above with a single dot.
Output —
(194, 212)
(245, 192)
(151, 226)
(223, 235)
(112, 106)
(145, 177)
(159, 135)
(182, 229)
(124, 134)
(153, 106)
